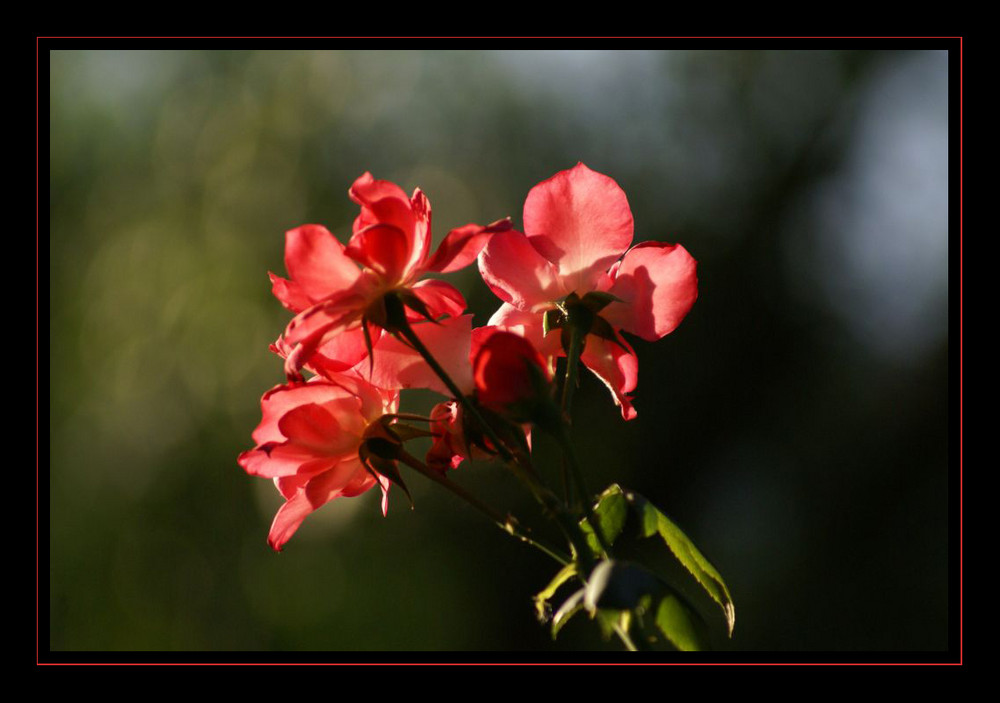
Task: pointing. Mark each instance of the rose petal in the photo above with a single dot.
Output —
(285, 459)
(528, 325)
(342, 351)
(518, 274)
(616, 367)
(382, 248)
(359, 480)
(461, 246)
(317, 265)
(440, 297)
(382, 202)
(333, 429)
(314, 327)
(375, 401)
(397, 365)
(658, 283)
(288, 485)
(320, 490)
(580, 220)
(289, 294)
(420, 206)
(288, 518)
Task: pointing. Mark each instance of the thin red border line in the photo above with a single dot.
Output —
(37, 405)
(380, 664)
(502, 37)
(961, 523)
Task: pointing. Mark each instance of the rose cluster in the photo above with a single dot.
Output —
(368, 323)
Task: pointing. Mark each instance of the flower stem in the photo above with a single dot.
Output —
(576, 341)
(570, 380)
(504, 522)
(569, 454)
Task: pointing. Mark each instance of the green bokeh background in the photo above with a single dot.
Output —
(796, 423)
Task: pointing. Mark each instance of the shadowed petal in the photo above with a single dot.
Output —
(658, 284)
(617, 368)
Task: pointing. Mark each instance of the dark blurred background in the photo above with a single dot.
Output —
(795, 425)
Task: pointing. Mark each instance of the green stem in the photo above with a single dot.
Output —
(576, 340)
(570, 380)
(504, 522)
(570, 456)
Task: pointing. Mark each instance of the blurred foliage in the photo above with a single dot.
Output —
(796, 424)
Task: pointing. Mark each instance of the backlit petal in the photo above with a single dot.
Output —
(581, 221)
(421, 246)
(461, 247)
(318, 268)
(528, 325)
(381, 202)
(320, 490)
(382, 248)
(397, 365)
(285, 459)
(518, 274)
(317, 429)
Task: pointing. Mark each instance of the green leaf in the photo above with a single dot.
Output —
(654, 522)
(542, 598)
(674, 620)
(610, 512)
